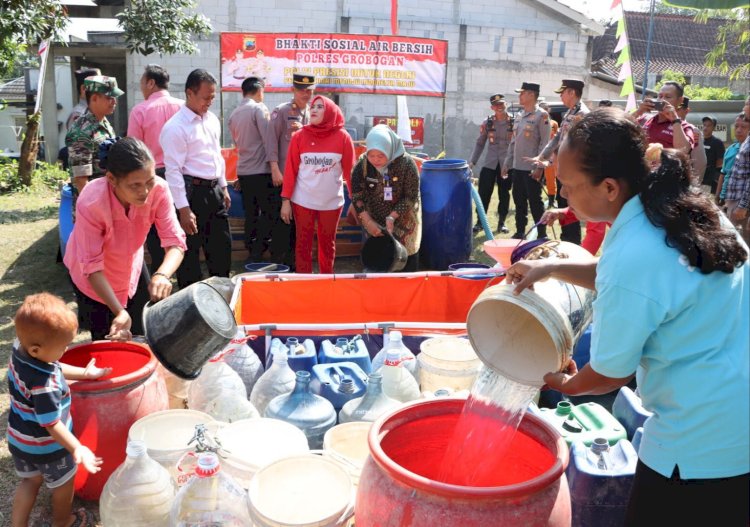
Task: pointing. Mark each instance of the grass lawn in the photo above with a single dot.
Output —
(28, 264)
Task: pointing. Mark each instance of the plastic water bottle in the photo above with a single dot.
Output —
(211, 497)
(398, 383)
(139, 493)
(393, 341)
(229, 407)
(216, 379)
(278, 380)
(370, 406)
(242, 359)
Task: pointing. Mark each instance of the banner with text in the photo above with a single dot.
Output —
(340, 62)
(416, 124)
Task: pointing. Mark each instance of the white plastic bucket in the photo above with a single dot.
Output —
(251, 444)
(447, 362)
(346, 444)
(167, 434)
(301, 491)
(526, 336)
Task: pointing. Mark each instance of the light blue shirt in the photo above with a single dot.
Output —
(685, 335)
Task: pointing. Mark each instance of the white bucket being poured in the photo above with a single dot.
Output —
(302, 491)
(526, 336)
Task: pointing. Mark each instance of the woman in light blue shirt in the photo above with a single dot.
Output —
(672, 308)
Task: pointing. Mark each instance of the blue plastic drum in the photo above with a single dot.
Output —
(446, 212)
(65, 216)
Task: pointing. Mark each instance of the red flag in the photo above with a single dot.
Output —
(394, 17)
(615, 3)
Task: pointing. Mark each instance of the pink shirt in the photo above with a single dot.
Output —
(106, 238)
(147, 118)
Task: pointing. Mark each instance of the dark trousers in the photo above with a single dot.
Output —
(258, 192)
(97, 317)
(153, 243)
(572, 231)
(656, 500)
(207, 203)
(527, 192)
(488, 178)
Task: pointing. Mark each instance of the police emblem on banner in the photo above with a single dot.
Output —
(249, 43)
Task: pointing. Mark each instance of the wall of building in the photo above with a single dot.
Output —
(493, 47)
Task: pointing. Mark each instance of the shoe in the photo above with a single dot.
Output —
(502, 228)
(518, 236)
(477, 228)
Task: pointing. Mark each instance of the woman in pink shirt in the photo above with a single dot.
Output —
(104, 254)
(320, 160)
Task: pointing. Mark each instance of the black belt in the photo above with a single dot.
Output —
(201, 182)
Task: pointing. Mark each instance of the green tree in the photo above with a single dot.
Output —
(162, 26)
(696, 91)
(150, 26)
(732, 41)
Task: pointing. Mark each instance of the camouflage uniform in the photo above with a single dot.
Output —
(83, 140)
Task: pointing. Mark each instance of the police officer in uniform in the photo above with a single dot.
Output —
(91, 129)
(570, 92)
(530, 133)
(286, 119)
(497, 129)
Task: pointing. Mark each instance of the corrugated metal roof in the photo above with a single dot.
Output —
(13, 90)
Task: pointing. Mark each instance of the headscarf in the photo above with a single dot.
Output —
(385, 140)
(333, 118)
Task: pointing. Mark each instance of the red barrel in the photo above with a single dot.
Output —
(389, 493)
(104, 409)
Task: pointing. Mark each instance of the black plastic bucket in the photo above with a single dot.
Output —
(383, 254)
(188, 328)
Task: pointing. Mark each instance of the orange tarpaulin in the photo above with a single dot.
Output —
(436, 299)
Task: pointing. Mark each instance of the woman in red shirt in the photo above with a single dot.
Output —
(320, 160)
(104, 253)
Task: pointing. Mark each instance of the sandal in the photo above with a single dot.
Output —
(83, 518)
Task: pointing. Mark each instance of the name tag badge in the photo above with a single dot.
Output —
(388, 193)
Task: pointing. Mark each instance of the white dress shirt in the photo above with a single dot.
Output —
(191, 147)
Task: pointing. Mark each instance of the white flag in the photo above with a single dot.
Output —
(403, 129)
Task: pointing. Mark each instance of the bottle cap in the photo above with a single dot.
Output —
(208, 465)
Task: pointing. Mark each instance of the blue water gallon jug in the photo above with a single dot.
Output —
(600, 477)
(637, 436)
(583, 422)
(302, 356)
(629, 410)
(339, 382)
(309, 412)
(446, 212)
(65, 220)
(345, 350)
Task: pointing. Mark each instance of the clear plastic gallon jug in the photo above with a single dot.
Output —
(393, 340)
(139, 493)
(311, 413)
(230, 407)
(211, 498)
(344, 350)
(278, 379)
(372, 405)
(216, 378)
(242, 359)
(301, 355)
(398, 383)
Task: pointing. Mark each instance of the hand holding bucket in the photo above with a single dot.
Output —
(526, 334)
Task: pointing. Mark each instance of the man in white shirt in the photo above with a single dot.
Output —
(195, 171)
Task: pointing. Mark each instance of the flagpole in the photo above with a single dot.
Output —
(648, 50)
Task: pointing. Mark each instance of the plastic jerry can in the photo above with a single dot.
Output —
(584, 422)
(637, 436)
(600, 477)
(343, 350)
(629, 410)
(302, 355)
(339, 382)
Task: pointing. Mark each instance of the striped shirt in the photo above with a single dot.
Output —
(738, 187)
(39, 397)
